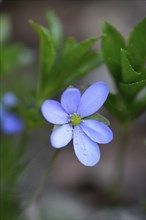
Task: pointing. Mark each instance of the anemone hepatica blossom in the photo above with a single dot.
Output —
(71, 114)
(10, 123)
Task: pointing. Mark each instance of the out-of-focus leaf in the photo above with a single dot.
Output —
(129, 75)
(55, 28)
(130, 90)
(13, 56)
(5, 28)
(10, 157)
(99, 118)
(117, 107)
(137, 45)
(112, 42)
(138, 107)
(68, 44)
(9, 205)
(47, 53)
(11, 167)
(9, 58)
(143, 75)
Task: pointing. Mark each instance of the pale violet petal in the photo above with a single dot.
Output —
(53, 112)
(70, 100)
(86, 150)
(93, 98)
(61, 136)
(97, 131)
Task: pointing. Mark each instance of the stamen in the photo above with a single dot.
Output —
(75, 119)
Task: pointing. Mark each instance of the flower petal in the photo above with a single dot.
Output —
(86, 150)
(93, 98)
(9, 100)
(70, 100)
(61, 136)
(97, 131)
(11, 124)
(53, 112)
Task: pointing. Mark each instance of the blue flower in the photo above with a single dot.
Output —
(9, 100)
(10, 123)
(71, 116)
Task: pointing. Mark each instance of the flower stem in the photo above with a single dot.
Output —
(115, 191)
(121, 153)
(44, 178)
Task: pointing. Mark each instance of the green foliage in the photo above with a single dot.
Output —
(9, 206)
(137, 46)
(99, 118)
(62, 62)
(14, 55)
(126, 64)
(47, 53)
(130, 90)
(55, 28)
(116, 105)
(132, 75)
(112, 42)
(11, 167)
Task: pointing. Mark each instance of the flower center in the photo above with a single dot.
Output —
(75, 119)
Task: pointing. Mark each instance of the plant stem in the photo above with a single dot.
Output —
(115, 192)
(44, 178)
(121, 153)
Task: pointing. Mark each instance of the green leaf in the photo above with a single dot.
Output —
(9, 58)
(116, 105)
(112, 42)
(61, 66)
(14, 56)
(99, 118)
(136, 45)
(74, 52)
(143, 73)
(80, 71)
(72, 58)
(138, 107)
(55, 28)
(69, 44)
(47, 53)
(89, 62)
(129, 75)
(130, 90)
(74, 61)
